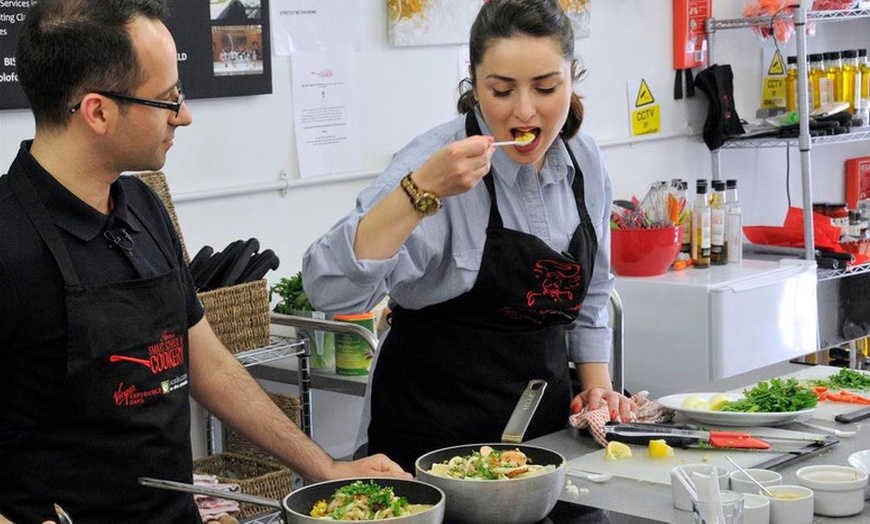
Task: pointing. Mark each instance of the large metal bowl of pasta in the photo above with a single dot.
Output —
(488, 483)
(340, 501)
(404, 501)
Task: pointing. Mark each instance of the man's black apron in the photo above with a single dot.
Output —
(451, 373)
(124, 411)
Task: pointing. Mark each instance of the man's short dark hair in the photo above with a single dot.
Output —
(68, 48)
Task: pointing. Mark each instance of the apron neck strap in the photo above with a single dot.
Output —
(41, 220)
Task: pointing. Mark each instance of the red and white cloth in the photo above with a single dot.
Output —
(212, 508)
(595, 419)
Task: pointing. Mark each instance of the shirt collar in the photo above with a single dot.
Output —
(557, 163)
(67, 211)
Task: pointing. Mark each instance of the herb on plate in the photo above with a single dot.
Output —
(845, 379)
(775, 396)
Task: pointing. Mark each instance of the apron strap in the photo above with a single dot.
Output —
(41, 220)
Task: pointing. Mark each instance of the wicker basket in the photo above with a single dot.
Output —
(157, 181)
(238, 314)
(254, 477)
(239, 445)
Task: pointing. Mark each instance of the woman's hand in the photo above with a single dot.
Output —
(457, 167)
(594, 398)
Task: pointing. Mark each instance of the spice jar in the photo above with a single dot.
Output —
(839, 213)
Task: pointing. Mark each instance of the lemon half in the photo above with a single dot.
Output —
(616, 451)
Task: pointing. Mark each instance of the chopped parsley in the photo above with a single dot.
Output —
(776, 396)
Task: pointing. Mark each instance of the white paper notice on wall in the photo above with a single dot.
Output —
(325, 112)
(307, 25)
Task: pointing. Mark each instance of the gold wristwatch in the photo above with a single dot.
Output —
(425, 202)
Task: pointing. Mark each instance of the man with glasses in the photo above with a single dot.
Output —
(102, 336)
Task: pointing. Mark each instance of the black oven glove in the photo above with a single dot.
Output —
(717, 82)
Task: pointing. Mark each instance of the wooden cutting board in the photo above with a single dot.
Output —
(644, 468)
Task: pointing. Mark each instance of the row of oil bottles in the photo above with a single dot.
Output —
(834, 76)
(712, 229)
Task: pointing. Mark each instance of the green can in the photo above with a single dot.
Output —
(353, 356)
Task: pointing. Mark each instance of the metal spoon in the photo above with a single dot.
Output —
(750, 477)
(594, 477)
(515, 142)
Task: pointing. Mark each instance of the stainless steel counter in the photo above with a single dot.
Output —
(652, 501)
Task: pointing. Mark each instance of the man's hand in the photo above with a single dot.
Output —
(374, 466)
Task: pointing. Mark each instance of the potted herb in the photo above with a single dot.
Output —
(293, 301)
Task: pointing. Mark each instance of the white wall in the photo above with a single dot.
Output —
(404, 91)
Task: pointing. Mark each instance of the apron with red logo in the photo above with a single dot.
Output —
(124, 412)
(451, 373)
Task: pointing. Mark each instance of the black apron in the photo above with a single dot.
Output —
(451, 373)
(124, 410)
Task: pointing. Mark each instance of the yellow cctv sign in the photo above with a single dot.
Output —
(646, 116)
(773, 83)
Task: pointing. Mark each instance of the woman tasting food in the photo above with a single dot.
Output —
(496, 259)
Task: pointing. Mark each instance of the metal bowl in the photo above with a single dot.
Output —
(509, 501)
(297, 505)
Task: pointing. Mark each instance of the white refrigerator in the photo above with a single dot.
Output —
(687, 329)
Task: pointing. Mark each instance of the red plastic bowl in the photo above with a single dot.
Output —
(644, 252)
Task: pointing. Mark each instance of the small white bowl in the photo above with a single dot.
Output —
(756, 509)
(791, 504)
(839, 490)
(861, 460)
(766, 477)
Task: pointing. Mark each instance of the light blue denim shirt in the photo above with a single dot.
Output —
(441, 258)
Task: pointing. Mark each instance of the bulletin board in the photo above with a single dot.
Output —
(223, 48)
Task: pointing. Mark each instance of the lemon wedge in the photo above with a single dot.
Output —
(717, 401)
(616, 451)
(692, 400)
(660, 449)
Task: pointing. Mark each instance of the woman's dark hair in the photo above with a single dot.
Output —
(68, 48)
(507, 18)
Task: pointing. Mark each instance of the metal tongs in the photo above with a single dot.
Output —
(688, 436)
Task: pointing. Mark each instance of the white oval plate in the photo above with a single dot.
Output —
(729, 418)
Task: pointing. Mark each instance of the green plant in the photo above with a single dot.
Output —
(292, 295)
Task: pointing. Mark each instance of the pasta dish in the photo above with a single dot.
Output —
(490, 464)
(364, 501)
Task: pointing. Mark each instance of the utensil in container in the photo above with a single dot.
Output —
(750, 477)
(296, 506)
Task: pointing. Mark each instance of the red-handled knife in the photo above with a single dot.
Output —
(634, 433)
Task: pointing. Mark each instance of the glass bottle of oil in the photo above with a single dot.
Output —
(680, 189)
(864, 66)
(851, 74)
(791, 83)
(701, 226)
(834, 74)
(718, 253)
(733, 223)
(818, 80)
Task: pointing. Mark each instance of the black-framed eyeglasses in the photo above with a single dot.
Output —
(175, 107)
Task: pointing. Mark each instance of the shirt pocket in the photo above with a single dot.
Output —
(468, 260)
